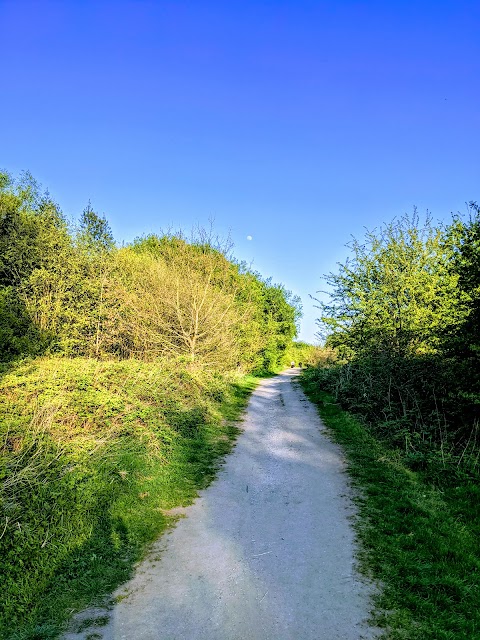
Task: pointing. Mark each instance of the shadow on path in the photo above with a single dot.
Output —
(266, 552)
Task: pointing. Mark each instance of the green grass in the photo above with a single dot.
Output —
(92, 455)
(419, 533)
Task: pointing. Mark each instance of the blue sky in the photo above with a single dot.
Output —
(297, 123)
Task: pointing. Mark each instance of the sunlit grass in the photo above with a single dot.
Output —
(419, 538)
(92, 455)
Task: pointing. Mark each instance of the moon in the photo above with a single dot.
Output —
(249, 238)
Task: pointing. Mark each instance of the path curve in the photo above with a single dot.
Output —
(267, 551)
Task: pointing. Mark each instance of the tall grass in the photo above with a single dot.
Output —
(93, 454)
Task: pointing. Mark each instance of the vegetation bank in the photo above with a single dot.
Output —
(123, 373)
(399, 388)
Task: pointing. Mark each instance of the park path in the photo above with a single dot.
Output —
(266, 552)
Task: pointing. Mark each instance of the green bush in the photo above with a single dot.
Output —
(418, 524)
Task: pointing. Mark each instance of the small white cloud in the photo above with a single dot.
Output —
(249, 238)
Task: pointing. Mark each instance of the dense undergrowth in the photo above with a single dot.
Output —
(92, 455)
(419, 525)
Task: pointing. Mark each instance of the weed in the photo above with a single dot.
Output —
(86, 623)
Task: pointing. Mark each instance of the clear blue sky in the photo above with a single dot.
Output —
(298, 123)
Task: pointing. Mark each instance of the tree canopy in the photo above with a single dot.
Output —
(73, 291)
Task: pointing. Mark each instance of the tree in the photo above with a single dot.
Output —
(94, 234)
(178, 301)
(396, 294)
(465, 239)
(33, 238)
(280, 314)
(32, 229)
(463, 344)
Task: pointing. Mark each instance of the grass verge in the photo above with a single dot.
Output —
(92, 455)
(419, 533)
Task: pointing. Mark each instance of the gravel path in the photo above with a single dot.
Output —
(266, 552)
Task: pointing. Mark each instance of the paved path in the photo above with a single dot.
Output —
(266, 552)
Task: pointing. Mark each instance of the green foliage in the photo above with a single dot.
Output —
(32, 230)
(33, 240)
(163, 296)
(18, 336)
(94, 234)
(280, 314)
(303, 354)
(93, 456)
(397, 292)
(404, 323)
(262, 317)
(418, 527)
(464, 344)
